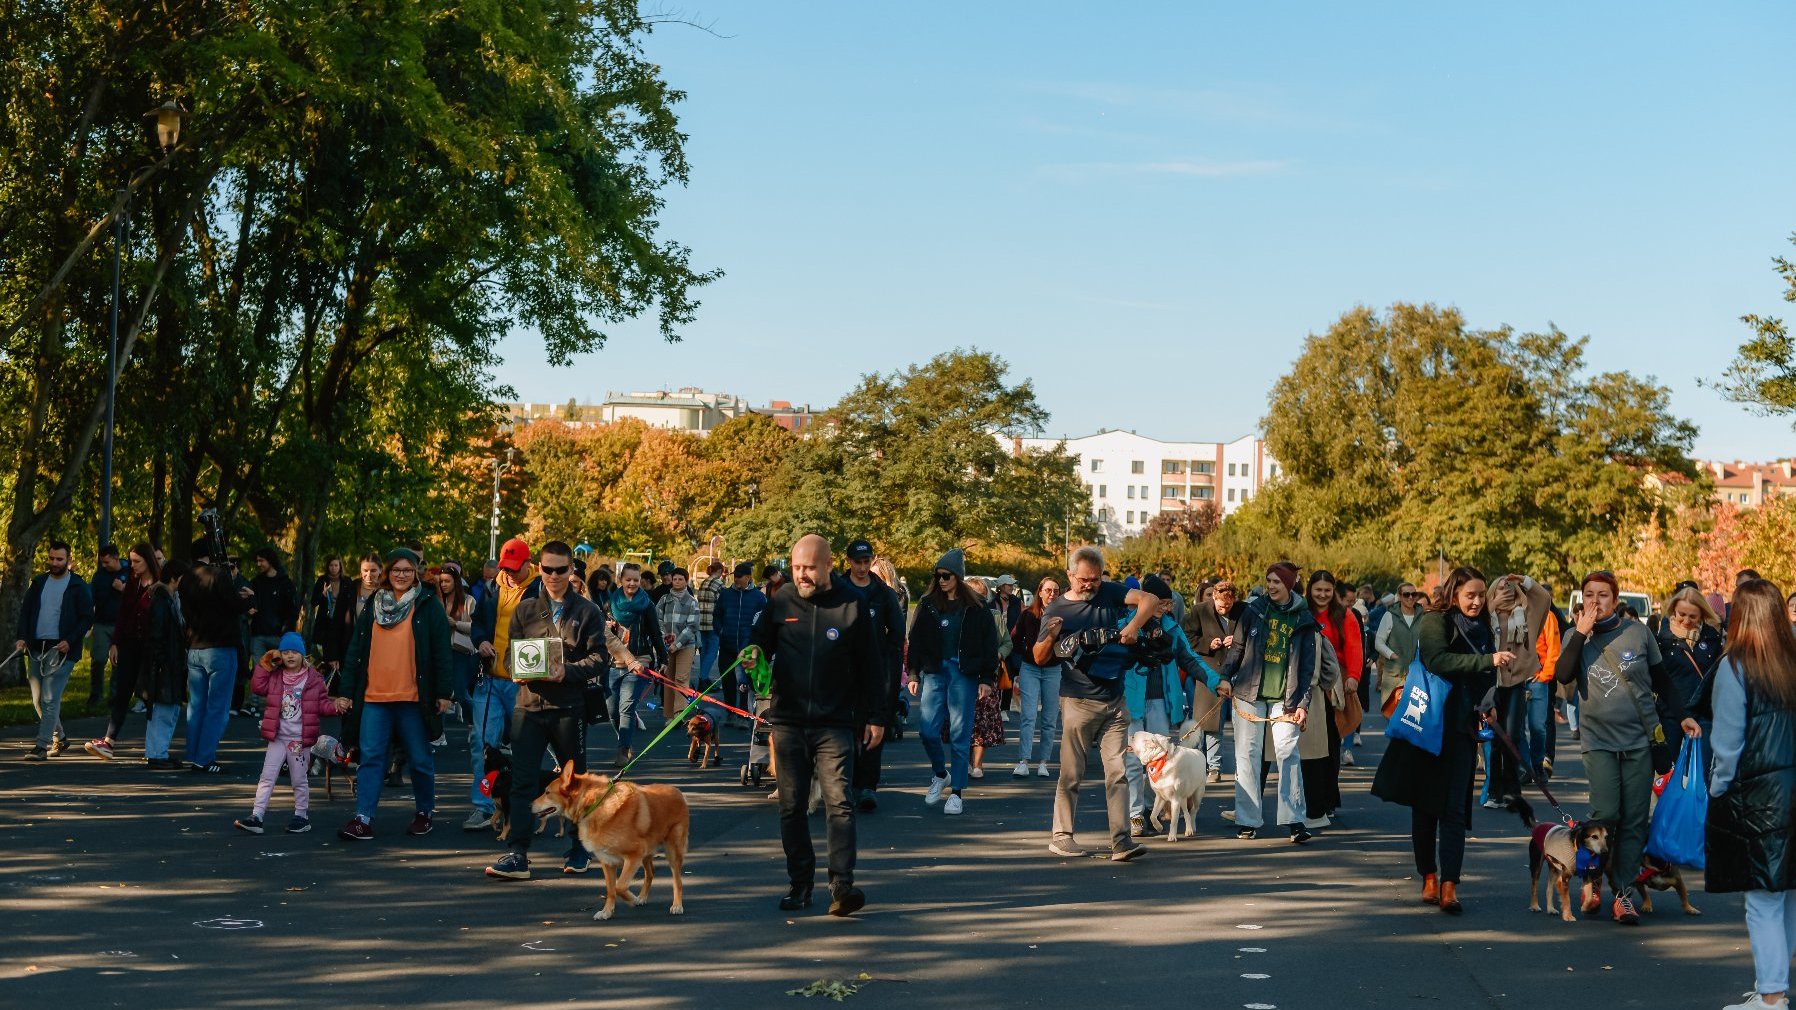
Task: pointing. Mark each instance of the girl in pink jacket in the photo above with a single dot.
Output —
(295, 700)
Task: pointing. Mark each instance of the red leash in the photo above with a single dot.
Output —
(690, 693)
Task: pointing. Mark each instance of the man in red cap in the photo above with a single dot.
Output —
(1270, 667)
(494, 693)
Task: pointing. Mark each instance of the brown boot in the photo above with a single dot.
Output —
(1450, 898)
(1431, 889)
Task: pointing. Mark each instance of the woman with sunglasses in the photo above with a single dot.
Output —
(1621, 679)
(398, 672)
(953, 659)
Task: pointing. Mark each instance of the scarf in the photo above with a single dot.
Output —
(389, 610)
(1474, 631)
(1607, 624)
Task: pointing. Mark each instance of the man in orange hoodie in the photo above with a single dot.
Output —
(1540, 744)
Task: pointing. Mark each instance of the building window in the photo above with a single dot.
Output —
(1246, 494)
(1131, 490)
(1131, 515)
(1204, 493)
(1231, 491)
(1231, 469)
(1203, 466)
(1103, 490)
(1137, 466)
(1172, 466)
(1097, 466)
(1272, 470)
(1171, 491)
(1144, 490)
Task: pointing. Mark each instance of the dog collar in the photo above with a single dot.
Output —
(1155, 767)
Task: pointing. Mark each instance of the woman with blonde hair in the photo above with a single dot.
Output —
(1690, 640)
(1752, 819)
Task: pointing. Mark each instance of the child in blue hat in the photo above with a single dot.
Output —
(295, 702)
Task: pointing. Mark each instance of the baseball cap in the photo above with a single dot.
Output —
(514, 555)
(665, 568)
(859, 550)
(1007, 579)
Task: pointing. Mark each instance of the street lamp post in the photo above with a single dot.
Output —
(168, 118)
(492, 544)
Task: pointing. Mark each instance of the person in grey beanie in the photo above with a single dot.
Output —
(953, 659)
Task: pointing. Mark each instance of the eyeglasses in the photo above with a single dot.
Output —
(945, 576)
(554, 569)
(402, 571)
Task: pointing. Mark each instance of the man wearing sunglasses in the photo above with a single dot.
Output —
(1396, 645)
(550, 713)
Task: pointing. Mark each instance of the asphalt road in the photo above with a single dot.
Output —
(119, 887)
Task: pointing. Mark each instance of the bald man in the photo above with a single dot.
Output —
(828, 692)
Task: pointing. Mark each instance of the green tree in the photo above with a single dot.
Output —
(1763, 373)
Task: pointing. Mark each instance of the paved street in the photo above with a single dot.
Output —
(120, 888)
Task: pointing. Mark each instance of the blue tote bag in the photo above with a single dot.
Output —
(1420, 717)
(1676, 835)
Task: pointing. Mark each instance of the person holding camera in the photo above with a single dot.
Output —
(1155, 693)
(1080, 631)
(550, 711)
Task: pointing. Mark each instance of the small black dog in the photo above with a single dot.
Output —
(498, 775)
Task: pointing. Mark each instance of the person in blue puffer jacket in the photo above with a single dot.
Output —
(1154, 696)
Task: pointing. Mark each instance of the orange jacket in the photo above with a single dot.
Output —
(1548, 648)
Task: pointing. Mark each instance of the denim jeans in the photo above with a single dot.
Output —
(466, 669)
(1153, 720)
(1771, 926)
(211, 675)
(1211, 744)
(1572, 706)
(49, 677)
(494, 698)
(1541, 725)
(161, 731)
(1040, 699)
(102, 641)
(948, 697)
(824, 754)
(1249, 749)
(379, 720)
(627, 691)
(708, 645)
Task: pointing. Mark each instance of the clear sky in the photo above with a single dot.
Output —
(1167, 197)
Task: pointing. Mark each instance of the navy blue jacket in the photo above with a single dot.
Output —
(108, 589)
(77, 613)
(735, 614)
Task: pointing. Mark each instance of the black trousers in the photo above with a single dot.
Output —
(1445, 833)
(866, 765)
(124, 687)
(532, 735)
(1322, 776)
(827, 754)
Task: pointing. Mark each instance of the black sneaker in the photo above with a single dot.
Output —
(844, 901)
(37, 754)
(162, 764)
(1300, 835)
(799, 897)
(251, 824)
(298, 825)
(511, 866)
(867, 801)
(1246, 835)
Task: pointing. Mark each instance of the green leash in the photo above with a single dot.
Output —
(678, 720)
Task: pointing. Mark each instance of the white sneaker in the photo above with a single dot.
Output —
(977, 773)
(1492, 805)
(952, 806)
(1347, 759)
(1021, 770)
(1041, 771)
(934, 795)
(1228, 815)
(1317, 822)
(1755, 1002)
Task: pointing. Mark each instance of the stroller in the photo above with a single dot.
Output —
(754, 693)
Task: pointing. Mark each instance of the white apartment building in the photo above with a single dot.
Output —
(1133, 478)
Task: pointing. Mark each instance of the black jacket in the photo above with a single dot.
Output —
(277, 604)
(978, 641)
(162, 679)
(211, 608)
(77, 612)
(1409, 775)
(106, 588)
(588, 647)
(888, 629)
(1751, 825)
(1689, 669)
(827, 670)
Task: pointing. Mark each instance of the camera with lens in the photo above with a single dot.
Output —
(215, 538)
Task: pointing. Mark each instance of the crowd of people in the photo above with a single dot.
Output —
(1289, 668)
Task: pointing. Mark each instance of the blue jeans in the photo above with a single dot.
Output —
(49, 679)
(1153, 720)
(1540, 724)
(379, 720)
(627, 691)
(1771, 926)
(948, 697)
(1571, 712)
(493, 699)
(708, 646)
(161, 731)
(466, 669)
(1249, 747)
(1211, 744)
(1039, 690)
(211, 676)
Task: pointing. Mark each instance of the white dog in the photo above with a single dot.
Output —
(1176, 774)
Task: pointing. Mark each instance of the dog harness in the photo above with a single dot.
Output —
(486, 783)
(1156, 767)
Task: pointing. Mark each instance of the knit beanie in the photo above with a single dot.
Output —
(293, 641)
(1285, 572)
(954, 561)
(1157, 586)
(403, 554)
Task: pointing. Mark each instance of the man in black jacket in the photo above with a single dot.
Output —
(54, 619)
(830, 686)
(108, 586)
(888, 627)
(550, 713)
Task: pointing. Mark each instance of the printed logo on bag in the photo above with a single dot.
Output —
(529, 659)
(832, 634)
(1416, 709)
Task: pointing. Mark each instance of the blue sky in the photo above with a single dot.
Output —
(1169, 197)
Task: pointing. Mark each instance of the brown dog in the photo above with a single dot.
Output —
(622, 825)
(1659, 876)
(1555, 847)
(702, 751)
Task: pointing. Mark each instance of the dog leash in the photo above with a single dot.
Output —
(678, 720)
(690, 693)
(1509, 744)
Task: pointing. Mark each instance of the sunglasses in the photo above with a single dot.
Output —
(945, 576)
(554, 569)
(1412, 596)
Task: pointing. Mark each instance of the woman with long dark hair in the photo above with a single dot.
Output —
(1038, 688)
(1621, 680)
(1752, 819)
(953, 659)
(329, 632)
(130, 640)
(459, 607)
(1320, 746)
(1456, 644)
(162, 674)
